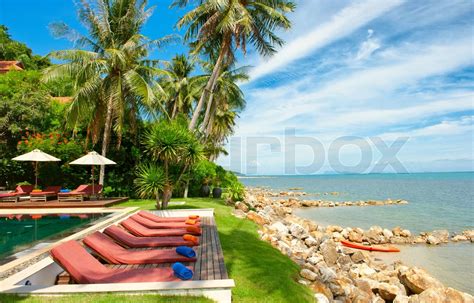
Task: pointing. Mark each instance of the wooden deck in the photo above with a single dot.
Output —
(56, 204)
(210, 259)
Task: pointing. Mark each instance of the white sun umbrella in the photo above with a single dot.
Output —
(93, 159)
(36, 156)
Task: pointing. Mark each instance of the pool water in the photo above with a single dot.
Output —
(20, 232)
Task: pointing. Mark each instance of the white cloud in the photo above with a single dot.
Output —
(368, 46)
(342, 24)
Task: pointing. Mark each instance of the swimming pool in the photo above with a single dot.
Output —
(20, 232)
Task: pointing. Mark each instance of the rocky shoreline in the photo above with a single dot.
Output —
(340, 274)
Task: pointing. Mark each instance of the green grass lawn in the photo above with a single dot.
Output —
(261, 273)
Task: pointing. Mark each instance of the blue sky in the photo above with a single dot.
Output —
(367, 69)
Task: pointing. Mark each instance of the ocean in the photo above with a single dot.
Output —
(436, 201)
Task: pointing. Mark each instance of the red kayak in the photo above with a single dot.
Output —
(370, 248)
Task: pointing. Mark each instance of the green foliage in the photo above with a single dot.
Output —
(172, 145)
(234, 192)
(150, 181)
(14, 50)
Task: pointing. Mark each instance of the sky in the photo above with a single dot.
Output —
(359, 86)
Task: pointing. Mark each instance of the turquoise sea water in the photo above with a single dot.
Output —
(436, 201)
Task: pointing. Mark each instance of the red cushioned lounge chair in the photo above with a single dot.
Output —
(85, 269)
(129, 240)
(139, 230)
(158, 219)
(152, 224)
(81, 192)
(20, 191)
(48, 192)
(113, 253)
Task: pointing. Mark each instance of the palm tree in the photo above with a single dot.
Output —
(176, 148)
(113, 81)
(181, 88)
(228, 25)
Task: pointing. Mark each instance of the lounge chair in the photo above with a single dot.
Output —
(42, 196)
(152, 224)
(139, 230)
(81, 192)
(20, 191)
(113, 253)
(158, 219)
(85, 269)
(129, 240)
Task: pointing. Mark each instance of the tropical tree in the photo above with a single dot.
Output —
(113, 80)
(181, 89)
(150, 181)
(172, 145)
(224, 26)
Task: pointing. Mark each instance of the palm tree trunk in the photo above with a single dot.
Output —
(209, 124)
(208, 113)
(157, 196)
(186, 189)
(166, 197)
(208, 89)
(175, 108)
(106, 138)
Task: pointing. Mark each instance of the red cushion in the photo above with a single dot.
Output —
(158, 219)
(139, 230)
(152, 224)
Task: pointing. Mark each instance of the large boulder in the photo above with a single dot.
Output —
(417, 280)
(329, 252)
(297, 230)
(279, 227)
(374, 234)
(260, 220)
(358, 257)
(284, 248)
(441, 235)
(387, 291)
(432, 240)
(310, 241)
(441, 295)
(242, 206)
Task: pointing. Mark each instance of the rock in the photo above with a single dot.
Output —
(304, 282)
(401, 299)
(320, 298)
(251, 215)
(417, 280)
(242, 206)
(458, 238)
(354, 236)
(374, 234)
(344, 260)
(284, 248)
(441, 235)
(405, 233)
(441, 295)
(327, 274)
(329, 252)
(469, 234)
(310, 241)
(387, 233)
(308, 274)
(238, 213)
(319, 287)
(387, 291)
(340, 286)
(333, 228)
(314, 260)
(432, 240)
(297, 230)
(366, 271)
(358, 257)
(397, 231)
(279, 227)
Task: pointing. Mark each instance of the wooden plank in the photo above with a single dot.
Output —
(220, 254)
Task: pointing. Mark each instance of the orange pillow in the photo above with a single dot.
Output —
(36, 190)
(193, 217)
(190, 221)
(193, 229)
(191, 238)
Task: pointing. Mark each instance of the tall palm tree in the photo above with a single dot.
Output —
(229, 25)
(112, 78)
(180, 87)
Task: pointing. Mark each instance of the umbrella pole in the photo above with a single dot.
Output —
(93, 193)
(36, 174)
